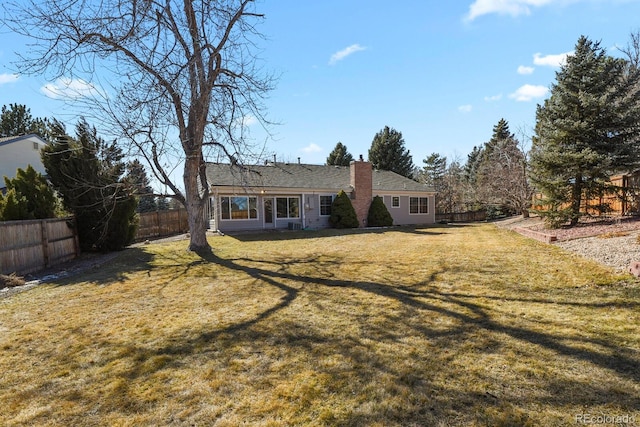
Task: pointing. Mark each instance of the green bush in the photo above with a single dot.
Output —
(342, 213)
(379, 215)
(28, 196)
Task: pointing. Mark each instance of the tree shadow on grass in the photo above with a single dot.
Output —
(276, 235)
(100, 268)
(468, 313)
(365, 369)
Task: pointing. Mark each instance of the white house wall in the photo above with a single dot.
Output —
(20, 154)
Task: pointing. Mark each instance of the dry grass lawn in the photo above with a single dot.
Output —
(452, 325)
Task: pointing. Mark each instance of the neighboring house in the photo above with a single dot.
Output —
(19, 152)
(295, 195)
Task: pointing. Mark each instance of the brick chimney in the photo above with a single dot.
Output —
(362, 183)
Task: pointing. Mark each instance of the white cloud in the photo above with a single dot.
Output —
(248, 120)
(465, 108)
(312, 148)
(69, 88)
(349, 50)
(493, 98)
(529, 92)
(502, 7)
(8, 78)
(551, 60)
(525, 70)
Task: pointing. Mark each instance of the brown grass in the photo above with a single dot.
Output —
(466, 325)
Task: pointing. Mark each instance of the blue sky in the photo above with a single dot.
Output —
(441, 72)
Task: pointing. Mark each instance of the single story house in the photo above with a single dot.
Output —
(20, 152)
(280, 195)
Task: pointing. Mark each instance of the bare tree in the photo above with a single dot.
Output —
(176, 80)
(632, 50)
(503, 178)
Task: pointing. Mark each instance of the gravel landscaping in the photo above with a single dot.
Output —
(613, 243)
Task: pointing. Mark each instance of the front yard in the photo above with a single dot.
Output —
(452, 325)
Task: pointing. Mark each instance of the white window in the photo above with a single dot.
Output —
(288, 207)
(239, 207)
(325, 205)
(418, 205)
(395, 202)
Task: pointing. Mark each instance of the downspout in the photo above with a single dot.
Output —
(215, 211)
(304, 209)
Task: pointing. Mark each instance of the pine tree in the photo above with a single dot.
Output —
(13, 206)
(379, 215)
(433, 171)
(501, 180)
(17, 120)
(137, 177)
(343, 215)
(585, 132)
(388, 152)
(29, 196)
(87, 172)
(339, 156)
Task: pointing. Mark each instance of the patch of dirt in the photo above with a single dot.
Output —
(586, 228)
(612, 242)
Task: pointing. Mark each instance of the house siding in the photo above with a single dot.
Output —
(19, 153)
(401, 215)
(309, 183)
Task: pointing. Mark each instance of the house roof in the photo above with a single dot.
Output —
(11, 139)
(304, 176)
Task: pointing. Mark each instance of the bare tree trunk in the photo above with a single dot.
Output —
(170, 67)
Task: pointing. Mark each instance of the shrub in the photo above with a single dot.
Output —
(379, 215)
(342, 213)
(29, 196)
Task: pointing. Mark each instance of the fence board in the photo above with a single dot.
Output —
(462, 216)
(29, 246)
(162, 223)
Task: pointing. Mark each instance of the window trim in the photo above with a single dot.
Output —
(320, 204)
(392, 200)
(249, 208)
(287, 198)
(418, 199)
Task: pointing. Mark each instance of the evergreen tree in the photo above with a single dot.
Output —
(16, 119)
(13, 206)
(339, 156)
(87, 172)
(137, 177)
(451, 198)
(343, 215)
(501, 178)
(388, 152)
(585, 132)
(379, 215)
(29, 196)
(433, 171)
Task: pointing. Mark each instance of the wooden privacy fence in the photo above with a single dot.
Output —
(471, 216)
(28, 246)
(162, 223)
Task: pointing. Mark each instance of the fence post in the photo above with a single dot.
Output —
(45, 242)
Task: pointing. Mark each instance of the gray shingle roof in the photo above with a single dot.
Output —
(10, 139)
(304, 176)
